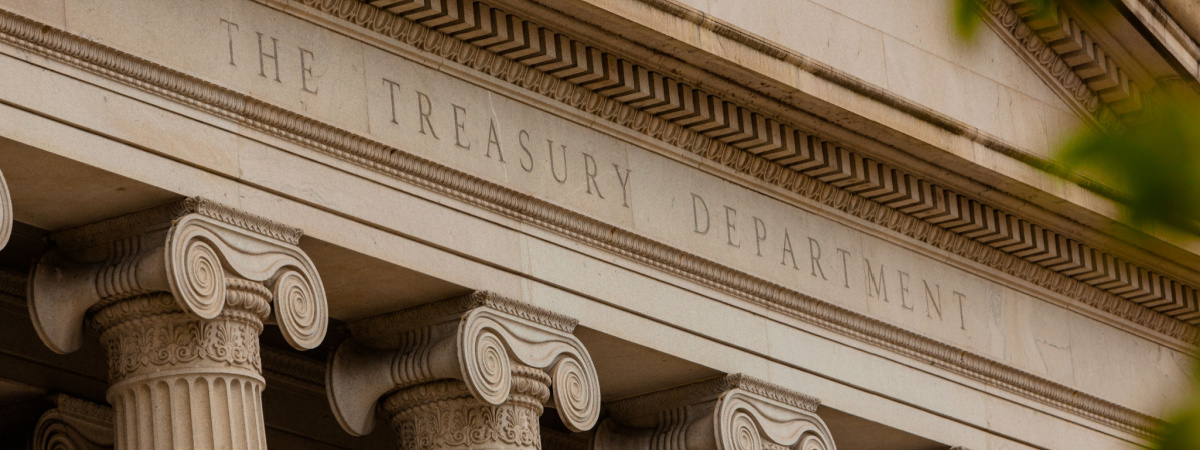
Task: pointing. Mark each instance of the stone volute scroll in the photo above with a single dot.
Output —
(179, 294)
(6, 213)
(73, 424)
(733, 412)
(469, 372)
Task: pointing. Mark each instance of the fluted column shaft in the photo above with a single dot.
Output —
(183, 382)
(472, 372)
(443, 415)
(179, 294)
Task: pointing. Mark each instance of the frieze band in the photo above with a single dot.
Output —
(45, 40)
(634, 96)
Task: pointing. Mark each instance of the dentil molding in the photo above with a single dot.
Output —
(223, 102)
(733, 412)
(1067, 56)
(437, 366)
(604, 84)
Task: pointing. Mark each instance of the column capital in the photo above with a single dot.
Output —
(6, 213)
(192, 249)
(73, 423)
(492, 345)
(732, 412)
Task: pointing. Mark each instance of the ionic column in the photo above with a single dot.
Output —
(73, 424)
(469, 372)
(6, 214)
(734, 412)
(179, 295)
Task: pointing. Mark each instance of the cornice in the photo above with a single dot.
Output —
(1069, 59)
(1165, 19)
(754, 144)
(59, 45)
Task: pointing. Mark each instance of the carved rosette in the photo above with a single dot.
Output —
(469, 372)
(179, 295)
(6, 214)
(735, 412)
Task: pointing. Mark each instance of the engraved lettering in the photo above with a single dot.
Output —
(880, 285)
(904, 291)
(263, 57)
(306, 71)
(553, 171)
(624, 184)
(494, 140)
(814, 254)
(589, 174)
(229, 27)
(787, 250)
(425, 109)
(760, 235)
(845, 267)
(460, 127)
(932, 303)
(521, 138)
(392, 86)
(961, 317)
(731, 227)
(697, 203)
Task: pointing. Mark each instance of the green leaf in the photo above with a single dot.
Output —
(1156, 162)
(966, 18)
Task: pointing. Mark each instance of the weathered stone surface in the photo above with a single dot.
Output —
(451, 168)
(468, 372)
(727, 413)
(179, 294)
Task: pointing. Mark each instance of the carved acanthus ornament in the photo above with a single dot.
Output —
(828, 173)
(468, 372)
(73, 424)
(734, 412)
(179, 295)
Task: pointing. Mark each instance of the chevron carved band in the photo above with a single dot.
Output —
(672, 100)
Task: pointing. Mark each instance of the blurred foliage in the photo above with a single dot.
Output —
(967, 20)
(1156, 161)
(1182, 431)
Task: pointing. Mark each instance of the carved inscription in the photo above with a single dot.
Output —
(555, 160)
(825, 261)
(574, 166)
(274, 57)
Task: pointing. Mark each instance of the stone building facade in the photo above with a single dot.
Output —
(583, 224)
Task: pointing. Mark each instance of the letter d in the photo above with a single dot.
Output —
(698, 203)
